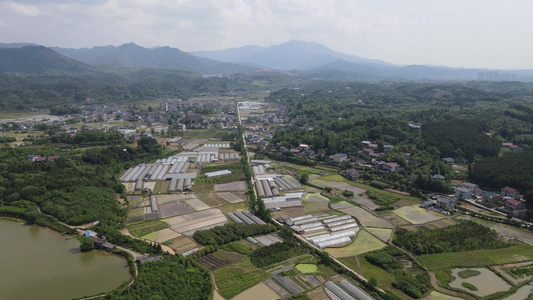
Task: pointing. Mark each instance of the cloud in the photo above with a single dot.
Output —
(24, 9)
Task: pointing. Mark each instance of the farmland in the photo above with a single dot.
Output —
(364, 242)
(512, 254)
(366, 219)
(416, 215)
(238, 277)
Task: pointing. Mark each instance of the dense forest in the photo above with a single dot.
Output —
(25, 92)
(460, 139)
(460, 237)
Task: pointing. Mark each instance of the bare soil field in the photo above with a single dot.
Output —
(189, 223)
(416, 214)
(366, 218)
(197, 204)
(365, 201)
(172, 198)
(212, 262)
(173, 209)
(149, 185)
(232, 197)
(257, 292)
(130, 186)
(294, 211)
(341, 205)
(233, 186)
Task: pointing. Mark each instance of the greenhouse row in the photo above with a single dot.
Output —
(245, 217)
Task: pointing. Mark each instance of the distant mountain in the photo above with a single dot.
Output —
(292, 55)
(38, 60)
(131, 56)
(16, 45)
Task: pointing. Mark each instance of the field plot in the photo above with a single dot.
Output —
(383, 234)
(173, 209)
(181, 244)
(318, 294)
(345, 186)
(434, 295)
(149, 185)
(164, 199)
(144, 228)
(364, 242)
(189, 223)
(197, 204)
(416, 214)
(315, 202)
(364, 201)
(238, 277)
(366, 218)
(341, 205)
(211, 199)
(164, 186)
(130, 186)
(307, 268)
(161, 236)
(212, 263)
(443, 223)
(231, 198)
(232, 186)
(257, 292)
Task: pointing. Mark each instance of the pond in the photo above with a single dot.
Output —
(38, 263)
(486, 282)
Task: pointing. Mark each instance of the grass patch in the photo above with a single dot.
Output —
(158, 185)
(512, 254)
(238, 277)
(378, 191)
(468, 273)
(307, 268)
(384, 278)
(469, 286)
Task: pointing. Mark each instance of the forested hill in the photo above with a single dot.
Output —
(38, 60)
(134, 56)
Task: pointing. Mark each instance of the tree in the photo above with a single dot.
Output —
(304, 178)
(86, 243)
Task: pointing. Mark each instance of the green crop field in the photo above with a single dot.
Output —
(145, 228)
(512, 254)
(238, 277)
(307, 268)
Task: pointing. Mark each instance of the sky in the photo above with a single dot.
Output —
(492, 34)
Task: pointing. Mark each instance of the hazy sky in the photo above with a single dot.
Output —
(457, 33)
